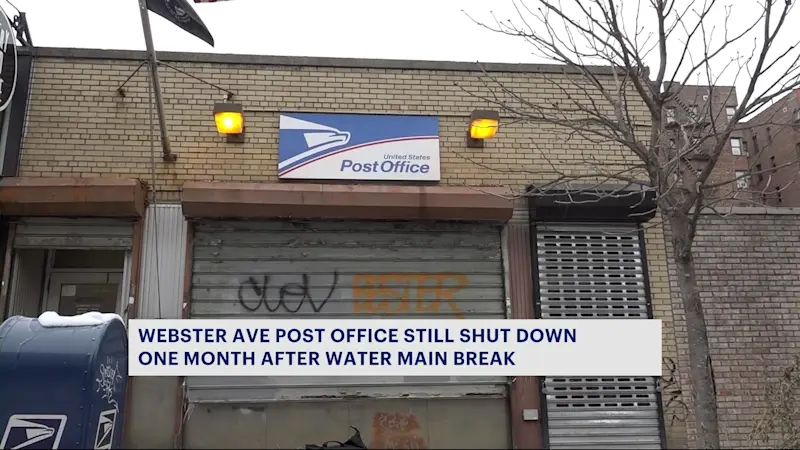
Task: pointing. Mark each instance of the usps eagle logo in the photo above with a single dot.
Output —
(104, 438)
(39, 431)
(318, 139)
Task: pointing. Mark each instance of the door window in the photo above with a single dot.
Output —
(83, 298)
(78, 293)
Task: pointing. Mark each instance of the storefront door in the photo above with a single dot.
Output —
(70, 266)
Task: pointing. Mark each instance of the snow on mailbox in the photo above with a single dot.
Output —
(62, 381)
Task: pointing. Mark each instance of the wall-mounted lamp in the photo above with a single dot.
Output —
(483, 125)
(229, 118)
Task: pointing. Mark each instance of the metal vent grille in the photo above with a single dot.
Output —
(596, 272)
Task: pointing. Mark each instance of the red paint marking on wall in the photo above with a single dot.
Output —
(396, 430)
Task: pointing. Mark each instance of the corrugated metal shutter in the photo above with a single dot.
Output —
(351, 270)
(162, 266)
(595, 272)
(74, 233)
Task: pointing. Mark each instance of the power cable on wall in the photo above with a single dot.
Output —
(122, 92)
(154, 189)
(121, 89)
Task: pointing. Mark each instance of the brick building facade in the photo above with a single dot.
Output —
(86, 172)
(746, 264)
(773, 135)
(698, 111)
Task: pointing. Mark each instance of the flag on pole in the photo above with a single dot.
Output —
(181, 13)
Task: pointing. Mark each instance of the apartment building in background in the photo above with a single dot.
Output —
(773, 136)
(695, 112)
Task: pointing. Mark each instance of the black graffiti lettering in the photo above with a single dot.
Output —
(260, 291)
(299, 292)
(674, 407)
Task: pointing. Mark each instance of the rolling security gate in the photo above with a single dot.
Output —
(345, 270)
(594, 272)
(66, 233)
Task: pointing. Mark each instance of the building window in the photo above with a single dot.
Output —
(769, 135)
(760, 173)
(730, 111)
(742, 180)
(796, 115)
(670, 113)
(736, 146)
(756, 149)
(693, 109)
(772, 160)
(778, 194)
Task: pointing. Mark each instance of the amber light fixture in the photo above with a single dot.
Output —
(483, 124)
(229, 118)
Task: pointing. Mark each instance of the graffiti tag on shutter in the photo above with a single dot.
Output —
(253, 294)
(396, 293)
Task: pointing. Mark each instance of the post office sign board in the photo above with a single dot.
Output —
(316, 146)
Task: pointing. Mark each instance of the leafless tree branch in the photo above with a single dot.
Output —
(610, 101)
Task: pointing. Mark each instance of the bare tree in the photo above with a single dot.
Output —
(625, 108)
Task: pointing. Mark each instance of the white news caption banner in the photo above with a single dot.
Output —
(601, 347)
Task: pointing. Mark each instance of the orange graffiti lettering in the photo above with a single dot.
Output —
(396, 431)
(407, 292)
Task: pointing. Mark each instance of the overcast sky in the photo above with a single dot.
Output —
(407, 29)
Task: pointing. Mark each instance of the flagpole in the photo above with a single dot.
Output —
(153, 63)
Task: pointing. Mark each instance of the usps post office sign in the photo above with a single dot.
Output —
(316, 146)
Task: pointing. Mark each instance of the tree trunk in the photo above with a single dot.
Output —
(701, 374)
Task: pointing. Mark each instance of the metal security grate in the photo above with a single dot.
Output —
(345, 270)
(70, 233)
(595, 272)
(590, 272)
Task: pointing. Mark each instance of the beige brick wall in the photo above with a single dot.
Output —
(78, 126)
(675, 412)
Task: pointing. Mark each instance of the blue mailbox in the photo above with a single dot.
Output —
(62, 384)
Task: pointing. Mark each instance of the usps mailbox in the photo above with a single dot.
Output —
(62, 381)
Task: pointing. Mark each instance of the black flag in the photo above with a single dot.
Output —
(181, 14)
